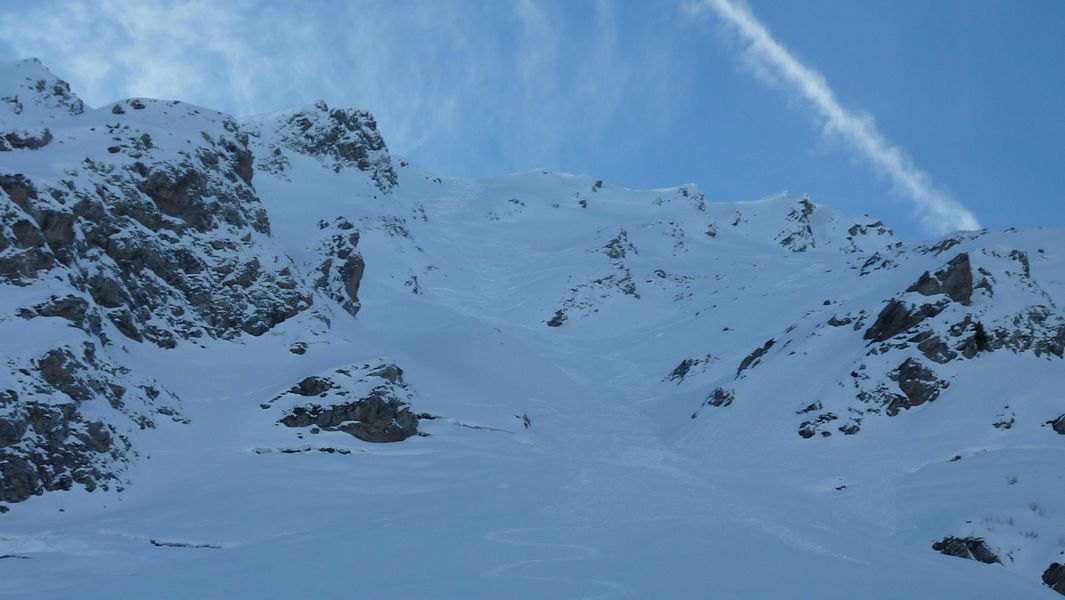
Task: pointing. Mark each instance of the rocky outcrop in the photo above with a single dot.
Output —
(1058, 424)
(918, 384)
(619, 246)
(46, 441)
(807, 429)
(897, 317)
(970, 548)
(339, 273)
(955, 280)
(369, 403)
(1037, 329)
(720, 397)
(338, 137)
(755, 357)
(799, 236)
(1054, 577)
(684, 368)
(166, 247)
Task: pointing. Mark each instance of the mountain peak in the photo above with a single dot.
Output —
(339, 137)
(31, 95)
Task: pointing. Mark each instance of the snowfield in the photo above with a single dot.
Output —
(616, 393)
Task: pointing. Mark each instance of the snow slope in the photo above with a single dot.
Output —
(618, 393)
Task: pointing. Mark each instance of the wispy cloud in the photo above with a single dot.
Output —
(770, 60)
(453, 84)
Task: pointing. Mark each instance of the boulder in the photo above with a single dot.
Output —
(971, 548)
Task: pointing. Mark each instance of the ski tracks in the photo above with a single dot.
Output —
(575, 552)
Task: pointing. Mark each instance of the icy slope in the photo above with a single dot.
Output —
(599, 392)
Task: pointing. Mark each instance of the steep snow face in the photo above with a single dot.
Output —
(553, 387)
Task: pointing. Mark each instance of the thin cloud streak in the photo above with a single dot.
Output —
(768, 59)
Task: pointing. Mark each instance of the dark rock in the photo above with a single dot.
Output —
(389, 372)
(312, 386)
(1058, 424)
(755, 357)
(807, 429)
(936, 350)
(897, 317)
(66, 450)
(1022, 258)
(1037, 328)
(180, 195)
(341, 270)
(1004, 423)
(558, 319)
(619, 247)
(27, 235)
(1054, 577)
(917, 382)
(970, 547)
(850, 428)
(24, 140)
(19, 189)
(720, 397)
(682, 370)
(298, 348)
(59, 369)
(955, 280)
(375, 418)
(343, 138)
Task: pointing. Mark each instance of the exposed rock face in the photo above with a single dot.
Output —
(339, 273)
(799, 237)
(685, 367)
(720, 397)
(159, 239)
(1038, 329)
(970, 548)
(1054, 577)
(898, 316)
(370, 403)
(557, 319)
(755, 357)
(167, 246)
(619, 247)
(46, 442)
(339, 137)
(955, 280)
(807, 429)
(918, 383)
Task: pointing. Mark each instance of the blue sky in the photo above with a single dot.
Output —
(640, 93)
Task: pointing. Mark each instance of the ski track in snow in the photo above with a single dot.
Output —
(582, 553)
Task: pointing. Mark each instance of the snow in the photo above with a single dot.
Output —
(614, 490)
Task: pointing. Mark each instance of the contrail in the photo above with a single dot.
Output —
(939, 213)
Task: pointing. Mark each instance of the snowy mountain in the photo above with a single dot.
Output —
(254, 358)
